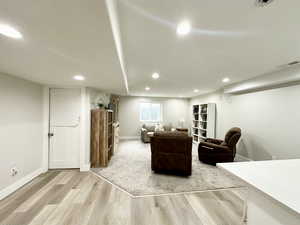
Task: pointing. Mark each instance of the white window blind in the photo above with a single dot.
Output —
(150, 112)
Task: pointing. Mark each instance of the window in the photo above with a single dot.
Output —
(150, 112)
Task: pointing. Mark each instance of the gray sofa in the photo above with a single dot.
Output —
(146, 132)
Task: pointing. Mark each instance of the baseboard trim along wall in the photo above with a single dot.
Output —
(21, 182)
(242, 158)
(85, 167)
(129, 137)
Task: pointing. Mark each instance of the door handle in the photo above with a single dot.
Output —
(50, 135)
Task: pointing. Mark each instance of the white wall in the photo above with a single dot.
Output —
(174, 109)
(269, 121)
(21, 128)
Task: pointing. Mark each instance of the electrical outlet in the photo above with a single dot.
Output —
(13, 171)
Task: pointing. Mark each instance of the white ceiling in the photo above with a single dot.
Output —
(231, 38)
(62, 38)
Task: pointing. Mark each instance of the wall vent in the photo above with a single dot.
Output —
(263, 2)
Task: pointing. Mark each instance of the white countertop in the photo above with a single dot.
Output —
(279, 179)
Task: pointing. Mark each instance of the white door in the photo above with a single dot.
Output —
(64, 128)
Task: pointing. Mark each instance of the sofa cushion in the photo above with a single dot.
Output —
(159, 127)
(149, 127)
(150, 133)
(223, 143)
(167, 127)
(170, 133)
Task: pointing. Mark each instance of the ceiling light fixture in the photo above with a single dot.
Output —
(79, 77)
(184, 28)
(226, 80)
(147, 88)
(9, 31)
(196, 90)
(155, 76)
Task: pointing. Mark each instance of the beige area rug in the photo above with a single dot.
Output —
(130, 169)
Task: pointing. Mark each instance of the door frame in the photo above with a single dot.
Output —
(82, 126)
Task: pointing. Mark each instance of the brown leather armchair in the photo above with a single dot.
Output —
(212, 151)
(171, 152)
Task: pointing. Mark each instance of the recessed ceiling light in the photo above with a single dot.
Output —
(155, 76)
(79, 77)
(225, 80)
(9, 31)
(196, 90)
(184, 28)
(147, 88)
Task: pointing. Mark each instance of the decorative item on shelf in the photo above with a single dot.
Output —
(110, 106)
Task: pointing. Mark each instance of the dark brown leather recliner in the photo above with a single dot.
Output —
(171, 152)
(212, 151)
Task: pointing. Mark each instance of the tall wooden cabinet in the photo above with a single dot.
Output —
(102, 141)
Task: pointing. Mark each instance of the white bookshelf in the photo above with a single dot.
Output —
(204, 122)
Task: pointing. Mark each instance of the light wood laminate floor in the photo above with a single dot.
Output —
(70, 197)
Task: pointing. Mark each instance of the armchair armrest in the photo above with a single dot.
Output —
(214, 147)
(214, 140)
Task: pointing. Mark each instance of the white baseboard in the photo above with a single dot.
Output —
(85, 167)
(242, 158)
(129, 137)
(21, 182)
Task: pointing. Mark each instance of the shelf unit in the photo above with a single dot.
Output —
(102, 137)
(204, 122)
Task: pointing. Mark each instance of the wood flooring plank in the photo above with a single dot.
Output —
(85, 187)
(145, 211)
(25, 218)
(213, 208)
(166, 206)
(73, 182)
(101, 204)
(232, 200)
(184, 211)
(63, 210)
(75, 198)
(200, 210)
(14, 204)
(117, 210)
(68, 174)
(88, 205)
(4, 202)
(54, 196)
(43, 215)
(232, 205)
(154, 210)
(33, 199)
